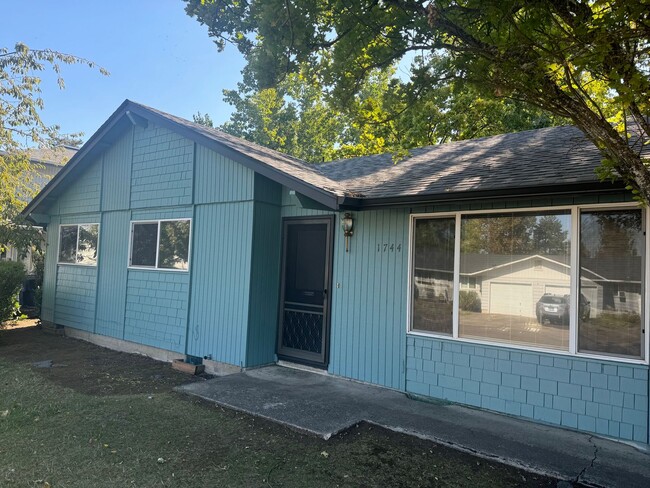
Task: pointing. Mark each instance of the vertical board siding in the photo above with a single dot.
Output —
(84, 195)
(221, 271)
(156, 308)
(161, 171)
(265, 284)
(112, 279)
(369, 299)
(116, 179)
(267, 191)
(219, 179)
(49, 275)
(595, 396)
(75, 296)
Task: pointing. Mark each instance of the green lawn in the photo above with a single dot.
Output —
(98, 418)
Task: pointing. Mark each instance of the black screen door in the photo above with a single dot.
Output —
(304, 312)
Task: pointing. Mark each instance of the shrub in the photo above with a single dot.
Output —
(12, 275)
(469, 301)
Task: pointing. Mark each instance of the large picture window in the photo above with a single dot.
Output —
(523, 279)
(161, 244)
(78, 244)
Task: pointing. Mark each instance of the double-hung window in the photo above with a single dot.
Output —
(160, 244)
(78, 244)
(569, 279)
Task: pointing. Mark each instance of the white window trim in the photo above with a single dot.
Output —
(58, 244)
(574, 211)
(155, 267)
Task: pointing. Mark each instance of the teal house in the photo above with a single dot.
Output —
(497, 273)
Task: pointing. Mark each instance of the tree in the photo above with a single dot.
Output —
(585, 60)
(296, 117)
(20, 127)
(206, 120)
(514, 234)
(550, 236)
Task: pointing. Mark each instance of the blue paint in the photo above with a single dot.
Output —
(547, 395)
(221, 270)
(112, 279)
(156, 308)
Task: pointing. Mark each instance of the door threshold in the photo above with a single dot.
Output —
(302, 367)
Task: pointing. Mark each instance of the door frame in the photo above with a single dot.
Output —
(329, 253)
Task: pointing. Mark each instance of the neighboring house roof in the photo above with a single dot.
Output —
(625, 269)
(545, 161)
(47, 162)
(57, 155)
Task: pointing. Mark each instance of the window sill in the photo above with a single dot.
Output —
(164, 270)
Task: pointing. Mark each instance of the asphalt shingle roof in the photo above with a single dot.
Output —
(503, 165)
(542, 157)
(58, 155)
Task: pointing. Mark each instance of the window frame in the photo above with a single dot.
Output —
(155, 267)
(574, 211)
(58, 244)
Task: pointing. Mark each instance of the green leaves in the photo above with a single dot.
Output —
(21, 127)
(584, 60)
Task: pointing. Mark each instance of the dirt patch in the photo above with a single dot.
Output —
(87, 368)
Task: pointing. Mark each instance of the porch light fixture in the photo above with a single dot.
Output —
(347, 224)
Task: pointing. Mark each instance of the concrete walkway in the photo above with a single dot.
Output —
(324, 406)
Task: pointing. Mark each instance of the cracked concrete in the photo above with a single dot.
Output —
(591, 464)
(324, 406)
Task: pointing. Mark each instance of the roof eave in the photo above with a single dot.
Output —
(571, 189)
(87, 148)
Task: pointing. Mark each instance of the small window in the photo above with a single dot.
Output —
(160, 244)
(78, 244)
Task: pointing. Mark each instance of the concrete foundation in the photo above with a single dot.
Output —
(124, 346)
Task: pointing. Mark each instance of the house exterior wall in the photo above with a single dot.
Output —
(263, 311)
(605, 397)
(161, 168)
(370, 342)
(369, 286)
(149, 174)
(113, 273)
(220, 281)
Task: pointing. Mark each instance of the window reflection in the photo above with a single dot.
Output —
(433, 277)
(516, 267)
(611, 249)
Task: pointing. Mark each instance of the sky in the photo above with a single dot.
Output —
(155, 53)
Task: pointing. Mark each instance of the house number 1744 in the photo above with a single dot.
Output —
(389, 247)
